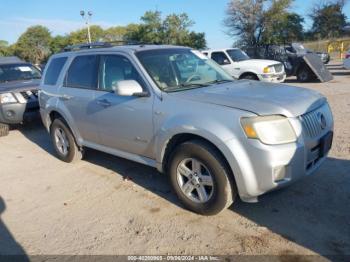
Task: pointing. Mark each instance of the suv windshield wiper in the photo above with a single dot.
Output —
(184, 86)
(219, 81)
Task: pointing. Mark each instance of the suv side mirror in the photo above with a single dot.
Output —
(129, 88)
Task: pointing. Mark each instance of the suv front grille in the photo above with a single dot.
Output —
(312, 123)
(30, 94)
(278, 68)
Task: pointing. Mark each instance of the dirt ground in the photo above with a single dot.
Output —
(107, 205)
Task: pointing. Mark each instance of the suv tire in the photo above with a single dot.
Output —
(249, 77)
(64, 142)
(4, 129)
(194, 166)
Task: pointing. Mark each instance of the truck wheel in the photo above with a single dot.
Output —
(64, 142)
(200, 178)
(4, 129)
(249, 77)
(304, 74)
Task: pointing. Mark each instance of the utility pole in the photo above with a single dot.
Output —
(87, 19)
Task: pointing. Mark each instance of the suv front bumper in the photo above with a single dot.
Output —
(262, 168)
(274, 78)
(17, 113)
(259, 168)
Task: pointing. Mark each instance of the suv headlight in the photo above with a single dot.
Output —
(268, 69)
(271, 130)
(7, 98)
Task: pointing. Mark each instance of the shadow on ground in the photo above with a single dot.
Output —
(313, 213)
(9, 248)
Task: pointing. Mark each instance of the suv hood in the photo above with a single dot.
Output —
(22, 85)
(257, 97)
(258, 62)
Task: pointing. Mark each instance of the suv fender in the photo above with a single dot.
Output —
(223, 143)
(246, 185)
(67, 118)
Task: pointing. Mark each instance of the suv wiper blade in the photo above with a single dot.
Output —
(193, 85)
(184, 86)
(219, 81)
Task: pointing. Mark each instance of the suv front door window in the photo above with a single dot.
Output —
(221, 58)
(119, 117)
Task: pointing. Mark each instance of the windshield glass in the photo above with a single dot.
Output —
(15, 72)
(237, 55)
(181, 69)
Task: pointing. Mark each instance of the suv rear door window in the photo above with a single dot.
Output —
(82, 73)
(54, 70)
(220, 58)
(115, 68)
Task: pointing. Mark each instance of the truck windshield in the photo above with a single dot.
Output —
(237, 55)
(16, 72)
(181, 69)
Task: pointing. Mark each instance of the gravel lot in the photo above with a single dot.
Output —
(107, 205)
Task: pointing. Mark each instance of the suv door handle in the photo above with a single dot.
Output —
(104, 102)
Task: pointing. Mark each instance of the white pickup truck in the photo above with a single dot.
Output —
(239, 65)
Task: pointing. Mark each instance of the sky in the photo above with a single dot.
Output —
(63, 16)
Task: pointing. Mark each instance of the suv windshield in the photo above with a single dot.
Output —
(237, 55)
(181, 69)
(15, 72)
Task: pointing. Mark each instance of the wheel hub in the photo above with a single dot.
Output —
(195, 180)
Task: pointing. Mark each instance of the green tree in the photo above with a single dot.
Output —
(116, 33)
(58, 43)
(195, 40)
(254, 22)
(81, 36)
(151, 28)
(286, 29)
(328, 19)
(244, 20)
(34, 44)
(278, 24)
(176, 28)
(3, 43)
(133, 32)
(294, 30)
(4, 48)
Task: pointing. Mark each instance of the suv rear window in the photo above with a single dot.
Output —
(82, 73)
(54, 70)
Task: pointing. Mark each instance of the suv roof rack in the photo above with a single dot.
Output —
(103, 45)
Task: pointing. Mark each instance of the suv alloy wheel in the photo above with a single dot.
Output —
(64, 142)
(200, 178)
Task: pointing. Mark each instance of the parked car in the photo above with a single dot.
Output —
(174, 109)
(239, 65)
(19, 82)
(346, 61)
(305, 66)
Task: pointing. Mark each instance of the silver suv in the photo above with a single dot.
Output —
(174, 109)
